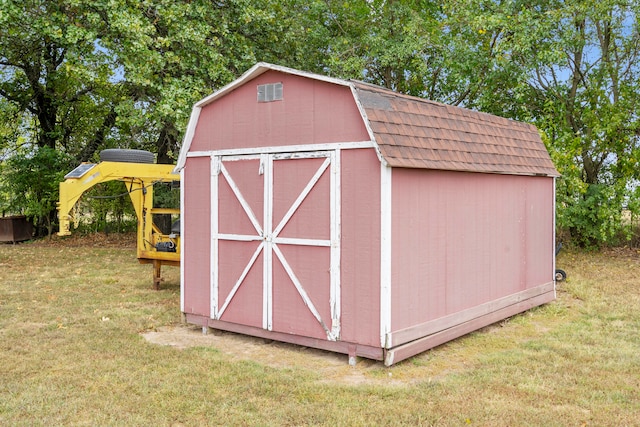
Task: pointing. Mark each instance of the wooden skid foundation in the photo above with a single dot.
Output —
(351, 349)
(404, 351)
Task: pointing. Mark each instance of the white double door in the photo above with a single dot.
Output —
(276, 242)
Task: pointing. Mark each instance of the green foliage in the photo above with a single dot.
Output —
(166, 196)
(29, 184)
(79, 77)
(9, 127)
(571, 69)
(107, 207)
(590, 114)
(52, 70)
(389, 43)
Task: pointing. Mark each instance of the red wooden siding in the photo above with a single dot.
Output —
(196, 216)
(311, 112)
(360, 242)
(310, 264)
(290, 314)
(311, 219)
(245, 306)
(463, 239)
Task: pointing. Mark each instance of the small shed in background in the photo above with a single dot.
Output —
(343, 216)
(15, 228)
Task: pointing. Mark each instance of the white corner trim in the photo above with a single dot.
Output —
(213, 262)
(188, 138)
(385, 253)
(182, 240)
(554, 238)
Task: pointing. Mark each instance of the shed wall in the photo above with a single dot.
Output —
(196, 252)
(463, 239)
(311, 112)
(360, 247)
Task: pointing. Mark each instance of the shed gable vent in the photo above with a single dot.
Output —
(270, 92)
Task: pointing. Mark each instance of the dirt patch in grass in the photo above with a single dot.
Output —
(332, 367)
(243, 347)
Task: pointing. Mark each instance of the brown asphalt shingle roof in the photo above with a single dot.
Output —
(417, 133)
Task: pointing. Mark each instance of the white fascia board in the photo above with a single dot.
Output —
(250, 74)
(365, 120)
(188, 137)
(304, 74)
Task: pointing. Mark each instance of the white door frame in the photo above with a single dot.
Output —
(268, 234)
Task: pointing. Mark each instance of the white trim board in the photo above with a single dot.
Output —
(288, 149)
(385, 253)
(182, 240)
(267, 233)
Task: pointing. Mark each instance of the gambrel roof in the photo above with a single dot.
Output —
(418, 133)
(412, 132)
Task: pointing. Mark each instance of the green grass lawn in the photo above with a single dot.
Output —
(72, 353)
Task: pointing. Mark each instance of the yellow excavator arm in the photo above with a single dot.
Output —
(152, 246)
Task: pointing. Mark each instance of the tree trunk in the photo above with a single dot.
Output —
(89, 149)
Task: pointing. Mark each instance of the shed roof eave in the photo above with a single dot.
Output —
(188, 137)
(548, 174)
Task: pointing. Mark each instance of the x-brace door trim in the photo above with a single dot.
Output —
(268, 235)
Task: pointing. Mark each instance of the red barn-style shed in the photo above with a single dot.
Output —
(343, 216)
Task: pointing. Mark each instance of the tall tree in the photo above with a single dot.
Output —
(55, 79)
(85, 76)
(387, 42)
(172, 53)
(52, 68)
(582, 88)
